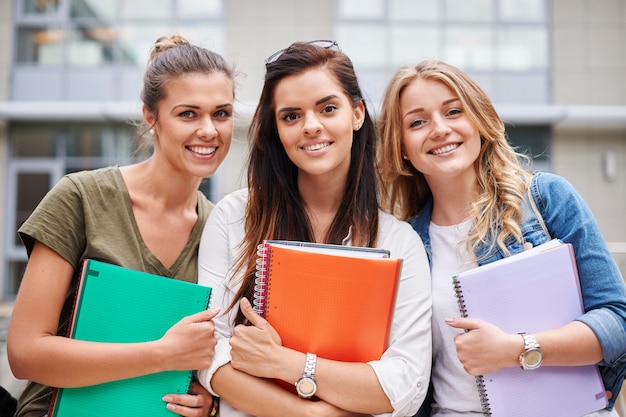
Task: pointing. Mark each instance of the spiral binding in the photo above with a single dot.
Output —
(260, 282)
(459, 297)
(484, 397)
(480, 381)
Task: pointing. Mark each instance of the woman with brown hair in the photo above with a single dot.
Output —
(148, 216)
(311, 177)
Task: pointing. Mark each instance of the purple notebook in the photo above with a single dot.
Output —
(530, 292)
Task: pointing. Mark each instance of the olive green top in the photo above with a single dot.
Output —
(89, 215)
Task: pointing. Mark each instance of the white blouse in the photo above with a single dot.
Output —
(404, 368)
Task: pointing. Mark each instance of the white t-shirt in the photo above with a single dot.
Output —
(456, 392)
(404, 369)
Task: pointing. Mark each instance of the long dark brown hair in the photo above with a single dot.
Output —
(275, 208)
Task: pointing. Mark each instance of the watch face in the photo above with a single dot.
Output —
(306, 387)
(533, 358)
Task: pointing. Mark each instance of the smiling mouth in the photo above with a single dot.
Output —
(445, 149)
(202, 150)
(316, 147)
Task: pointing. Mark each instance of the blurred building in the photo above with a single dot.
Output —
(71, 74)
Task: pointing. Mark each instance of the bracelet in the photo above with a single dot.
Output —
(215, 406)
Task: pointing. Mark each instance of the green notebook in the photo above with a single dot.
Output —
(116, 304)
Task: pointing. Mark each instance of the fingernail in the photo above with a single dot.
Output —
(170, 407)
(167, 398)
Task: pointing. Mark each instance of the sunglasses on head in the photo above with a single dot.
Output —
(326, 44)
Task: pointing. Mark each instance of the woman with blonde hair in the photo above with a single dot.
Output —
(449, 171)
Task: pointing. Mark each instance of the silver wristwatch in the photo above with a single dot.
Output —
(532, 356)
(306, 385)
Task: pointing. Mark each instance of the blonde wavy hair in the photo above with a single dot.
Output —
(501, 179)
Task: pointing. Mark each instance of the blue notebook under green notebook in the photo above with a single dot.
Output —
(120, 305)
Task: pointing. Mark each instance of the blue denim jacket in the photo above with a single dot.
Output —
(568, 218)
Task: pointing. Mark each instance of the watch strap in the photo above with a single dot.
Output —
(309, 366)
(306, 386)
(530, 344)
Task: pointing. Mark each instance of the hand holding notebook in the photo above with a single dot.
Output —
(248, 349)
(119, 305)
(530, 292)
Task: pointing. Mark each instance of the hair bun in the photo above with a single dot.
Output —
(167, 42)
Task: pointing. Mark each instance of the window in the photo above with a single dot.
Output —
(95, 32)
(533, 141)
(39, 7)
(40, 155)
(491, 37)
(466, 33)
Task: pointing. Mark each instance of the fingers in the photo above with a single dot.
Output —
(189, 405)
(463, 323)
(528, 245)
(205, 315)
(251, 315)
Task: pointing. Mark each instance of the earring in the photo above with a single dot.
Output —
(358, 126)
(151, 132)
(404, 156)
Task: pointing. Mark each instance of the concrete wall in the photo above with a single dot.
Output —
(589, 64)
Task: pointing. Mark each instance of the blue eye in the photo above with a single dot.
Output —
(416, 123)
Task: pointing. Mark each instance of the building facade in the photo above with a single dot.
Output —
(71, 71)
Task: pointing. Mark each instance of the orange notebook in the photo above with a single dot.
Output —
(335, 301)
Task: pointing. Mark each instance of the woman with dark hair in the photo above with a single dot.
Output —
(311, 177)
(147, 216)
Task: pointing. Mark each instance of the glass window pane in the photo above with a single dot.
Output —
(90, 141)
(199, 8)
(523, 48)
(411, 44)
(31, 188)
(98, 9)
(40, 7)
(146, 9)
(42, 46)
(414, 10)
(533, 141)
(136, 41)
(366, 45)
(469, 10)
(205, 187)
(522, 10)
(16, 272)
(33, 142)
(90, 45)
(361, 9)
(469, 47)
